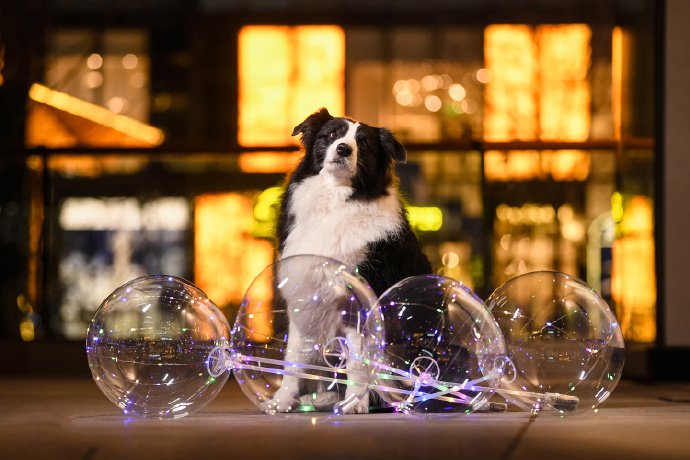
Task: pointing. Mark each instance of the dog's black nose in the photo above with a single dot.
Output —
(343, 150)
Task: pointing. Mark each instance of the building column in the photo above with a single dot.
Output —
(674, 237)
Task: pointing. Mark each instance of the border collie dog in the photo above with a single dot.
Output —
(342, 202)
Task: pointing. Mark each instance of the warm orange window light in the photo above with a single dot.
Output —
(511, 109)
(538, 90)
(226, 256)
(267, 162)
(617, 80)
(564, 92)
(286, 73)
(57, 119)
(633, 279)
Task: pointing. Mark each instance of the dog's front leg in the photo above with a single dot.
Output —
(287, 396)
(356, 374)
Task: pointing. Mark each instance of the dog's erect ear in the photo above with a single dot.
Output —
(311, 126)
(391, 146)
(313, 121)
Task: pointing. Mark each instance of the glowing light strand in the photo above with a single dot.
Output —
(446, 391)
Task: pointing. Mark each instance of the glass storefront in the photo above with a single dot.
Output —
(522, 156)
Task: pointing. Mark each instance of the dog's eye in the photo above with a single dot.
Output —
(333, 134)
(364, 143)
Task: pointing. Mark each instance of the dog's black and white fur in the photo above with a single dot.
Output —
(342, 202)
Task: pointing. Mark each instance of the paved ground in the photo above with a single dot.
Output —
(71, 419)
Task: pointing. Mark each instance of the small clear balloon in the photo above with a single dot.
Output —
(148, 346)
(564, 345)
(444, 351)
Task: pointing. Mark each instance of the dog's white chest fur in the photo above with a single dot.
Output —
(327, 224)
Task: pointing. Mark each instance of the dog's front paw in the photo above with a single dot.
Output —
(362, 407)
(282, 401)
(355, 406)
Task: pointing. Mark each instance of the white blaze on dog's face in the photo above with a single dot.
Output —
(341, 155)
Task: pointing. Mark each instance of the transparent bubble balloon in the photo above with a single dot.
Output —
(148, 344)
(305, 337)
(564, 343)
(444, 351)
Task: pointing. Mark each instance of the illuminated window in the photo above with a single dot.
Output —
(56, 119)
(633, 278)
(108, 241)
(226, 255)
(425, 84)
(95, 92)
(510, 98)
(109, 68)
(285, 74)
(564, 92)
(538, 90)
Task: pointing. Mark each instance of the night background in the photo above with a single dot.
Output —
(153, 136)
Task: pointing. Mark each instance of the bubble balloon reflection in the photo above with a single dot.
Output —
(561, 337)
(148, 344)
(443, 349)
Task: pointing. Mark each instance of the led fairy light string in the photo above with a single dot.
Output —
(444, 388)
(221, 360)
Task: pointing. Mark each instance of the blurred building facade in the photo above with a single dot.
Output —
(153, 137)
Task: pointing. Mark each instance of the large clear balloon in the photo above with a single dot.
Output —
(307, 337)
(148, 344)
(444, 351)
(564, 344)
